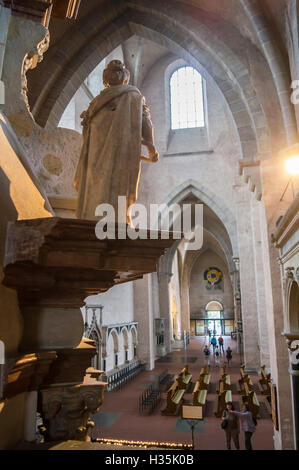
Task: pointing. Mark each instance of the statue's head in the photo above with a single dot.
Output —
(115, 74)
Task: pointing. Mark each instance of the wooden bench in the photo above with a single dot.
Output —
(199, 396)
(204, 381)
(221, 400)
(224, 383)
(184, 378)
(245, 378)
(223, 371)
(264, 382)
(252, 400)
(174, 400)
(203, 371)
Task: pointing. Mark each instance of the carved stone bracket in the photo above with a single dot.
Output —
(27, 372)
(292, 340)
(61, 262)
(66, 410)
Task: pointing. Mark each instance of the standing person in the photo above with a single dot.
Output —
(232, 428)
(248, 425)
(207, 356)
(229, 355)
(213, 343)
(217, 358)
(220, 341)
(209, 333)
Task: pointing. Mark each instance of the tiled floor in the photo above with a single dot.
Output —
(119, 416)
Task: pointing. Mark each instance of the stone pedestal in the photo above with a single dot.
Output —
(54, 264)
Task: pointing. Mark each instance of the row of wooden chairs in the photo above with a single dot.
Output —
(118, 379)
(149, 400)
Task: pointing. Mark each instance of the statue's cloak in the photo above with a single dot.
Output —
(109, 164)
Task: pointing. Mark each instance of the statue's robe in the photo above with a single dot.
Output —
(109, 164)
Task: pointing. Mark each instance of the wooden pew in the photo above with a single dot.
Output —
(199, 396)
(224, 383)
(252, 400)
(184, 378)
(264, 382)
(223, 370)
(222, 398)
(204, 381)
(245, 378)
(174, 400)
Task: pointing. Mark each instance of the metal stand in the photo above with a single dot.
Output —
(192, 423)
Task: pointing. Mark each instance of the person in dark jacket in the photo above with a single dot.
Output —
(229, 355)
(232, 428)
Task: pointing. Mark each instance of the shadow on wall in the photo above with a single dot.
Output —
(8, 210)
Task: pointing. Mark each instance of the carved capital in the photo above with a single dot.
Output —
(66, 410)
(292, 340)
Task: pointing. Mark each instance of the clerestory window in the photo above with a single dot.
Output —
(186, 99)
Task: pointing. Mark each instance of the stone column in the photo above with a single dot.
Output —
(247, 278)
(237, 308)
(185, 303)
(30, 416)
(260, 281)
(164, 277)
(143, 314)
(274, 181)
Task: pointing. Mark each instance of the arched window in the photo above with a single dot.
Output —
(186, 98)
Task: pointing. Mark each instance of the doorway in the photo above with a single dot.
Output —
(215, 326)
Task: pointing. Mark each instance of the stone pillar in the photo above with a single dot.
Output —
(247, 278)
(185, 303)
(274, 181)
(164, 278)
(143, 314)
(237, 308)
(30, 416)
(260, 281)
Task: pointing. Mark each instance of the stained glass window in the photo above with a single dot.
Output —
(186, 91)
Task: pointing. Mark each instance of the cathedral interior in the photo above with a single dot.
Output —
(98, 333)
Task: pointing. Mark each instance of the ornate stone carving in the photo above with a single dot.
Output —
(66, 410)
(30, 62)
(292, 341)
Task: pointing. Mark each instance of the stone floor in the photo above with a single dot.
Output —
(119, 417)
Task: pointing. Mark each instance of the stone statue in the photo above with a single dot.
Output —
(115, 125)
